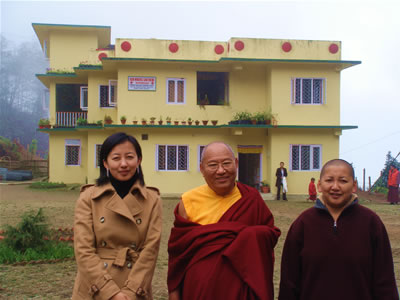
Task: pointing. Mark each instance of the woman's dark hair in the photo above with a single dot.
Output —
(108, 145)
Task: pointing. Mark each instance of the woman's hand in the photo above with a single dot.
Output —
(174, 295)
(120, 296)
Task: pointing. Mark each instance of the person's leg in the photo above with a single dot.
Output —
(283, 195)
(278, 194)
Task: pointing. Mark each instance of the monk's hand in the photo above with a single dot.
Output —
(120, 296)
(174, 295)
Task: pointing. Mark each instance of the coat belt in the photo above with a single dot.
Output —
(120, 256)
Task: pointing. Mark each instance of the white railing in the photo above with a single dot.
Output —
(67, 118)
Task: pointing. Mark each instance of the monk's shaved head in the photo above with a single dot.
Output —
(213, 144)
(338, 162)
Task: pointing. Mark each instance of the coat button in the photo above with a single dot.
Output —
(133, 246)
(104, 243)
(102, 219)
(139, 221)
(140, 292)
(105, 265)
(129, 265)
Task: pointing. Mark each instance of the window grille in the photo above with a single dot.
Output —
(176, 91)
(308, 90)
(200, 151)
(72, 152)
(97, 155)
(104, 96)
(172, 158)
(305, 157)
(112, 89)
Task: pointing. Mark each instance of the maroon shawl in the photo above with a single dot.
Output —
(231, 259)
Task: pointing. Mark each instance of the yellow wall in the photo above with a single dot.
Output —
(58, 171)
(68, 49)
(281, 139)
(309, 114)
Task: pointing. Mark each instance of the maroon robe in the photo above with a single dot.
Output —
(231, 259)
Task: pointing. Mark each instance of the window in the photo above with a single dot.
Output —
(200, 150)
(72, 152)
(305, 157)
(84, 98)
(212, 88)
(176, 90)
(308, 91)
(97, 148)
(108, 94)
(172, 158)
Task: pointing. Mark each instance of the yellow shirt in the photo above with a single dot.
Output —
(204, 206)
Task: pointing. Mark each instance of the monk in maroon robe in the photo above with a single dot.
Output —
(231, 258)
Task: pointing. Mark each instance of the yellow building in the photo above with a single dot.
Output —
(296, 81)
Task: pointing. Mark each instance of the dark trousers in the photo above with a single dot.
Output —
(278, 196)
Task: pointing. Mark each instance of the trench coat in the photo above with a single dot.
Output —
(116, 241)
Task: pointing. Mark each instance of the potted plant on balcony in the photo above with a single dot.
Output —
(152, 120)
(44, 123)
(190, 121)
(168, 119)
(160, 121)
(107, 119)
(176, 122)
(264, 187)
(123, 119)
(214, 122)
(99, 123)
(205, 122)
(81, 122)
(197, 122)
(134, 121)
(144, 121)
(183, 122)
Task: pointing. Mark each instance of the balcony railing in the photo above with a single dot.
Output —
(68, 118)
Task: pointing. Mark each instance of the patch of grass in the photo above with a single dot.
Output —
(51, 250)
(44, 185)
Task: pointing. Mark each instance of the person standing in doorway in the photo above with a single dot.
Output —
(393, 185)
(281, 174)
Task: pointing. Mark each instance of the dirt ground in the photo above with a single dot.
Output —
(55, 281)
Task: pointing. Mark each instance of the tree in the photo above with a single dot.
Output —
(382, 180)
(21, 93)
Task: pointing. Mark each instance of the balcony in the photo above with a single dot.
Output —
(69, 118)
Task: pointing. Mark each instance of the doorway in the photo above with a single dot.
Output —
(250, 169)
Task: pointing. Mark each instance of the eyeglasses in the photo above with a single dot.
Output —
(214, 166)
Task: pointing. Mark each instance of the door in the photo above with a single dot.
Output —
(250, 169)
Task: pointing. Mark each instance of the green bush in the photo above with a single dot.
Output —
(28, 240)
(47, 185)
(29, 233)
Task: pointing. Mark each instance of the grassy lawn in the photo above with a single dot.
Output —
(55, 281)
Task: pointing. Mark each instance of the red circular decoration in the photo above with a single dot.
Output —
(173, 47)
(239, 45)
(287, 46)
(219, 49)
(102, 55)
(333, 48)
(126, 46)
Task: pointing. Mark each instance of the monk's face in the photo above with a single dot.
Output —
(219, 168)
(337, 185)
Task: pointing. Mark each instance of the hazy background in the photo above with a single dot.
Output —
(369, 31)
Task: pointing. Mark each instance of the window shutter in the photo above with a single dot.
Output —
(112, 92)
(84, 98)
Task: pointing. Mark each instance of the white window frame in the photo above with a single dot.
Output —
(199, 151)
(72, 143)
(177, 158)
(176, 91)
(312, 146)
(95, 155)
(113, 83)
(293, 91)
(83, 88)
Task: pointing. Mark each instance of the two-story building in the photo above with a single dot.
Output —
(298, 81)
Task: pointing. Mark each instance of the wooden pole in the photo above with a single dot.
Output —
(369, 183)
(364, 179)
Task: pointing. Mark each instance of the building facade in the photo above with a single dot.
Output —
(297, 82)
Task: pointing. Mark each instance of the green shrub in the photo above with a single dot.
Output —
(29, 233)
(47, 185)
(28, 240)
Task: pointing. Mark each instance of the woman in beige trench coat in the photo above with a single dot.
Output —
(117, 227)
